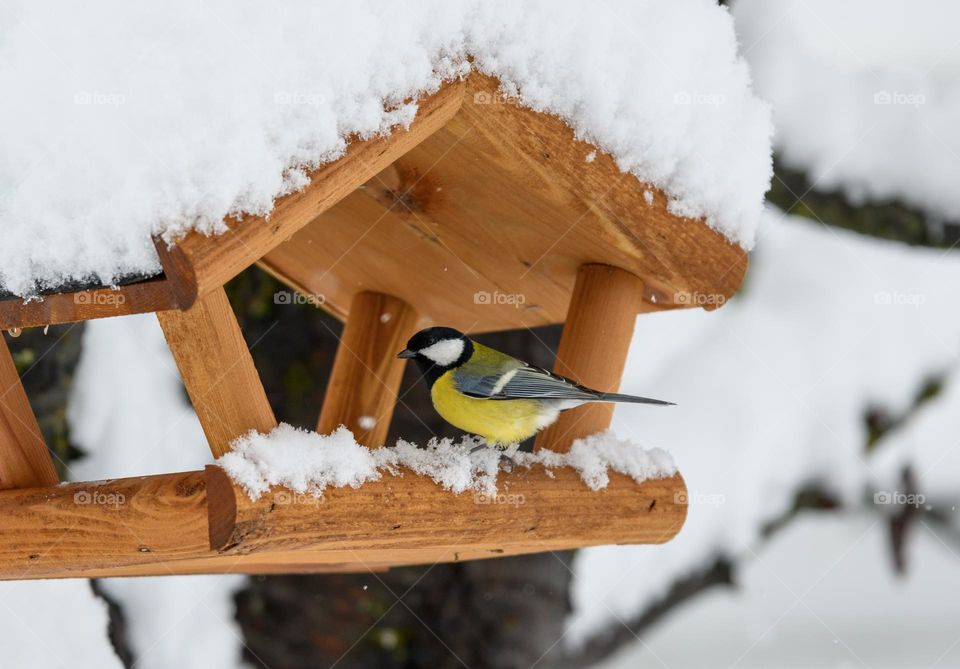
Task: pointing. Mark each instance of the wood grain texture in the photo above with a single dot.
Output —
(398, 519)
(593, 348)
(198, 264)
(198, 522)
(483, 225)
(107, 525)
(135, 298)
(24, 458)
(217, 370)
(365, 380)
(259, 563)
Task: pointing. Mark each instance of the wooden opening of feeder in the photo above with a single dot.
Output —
(482, 216)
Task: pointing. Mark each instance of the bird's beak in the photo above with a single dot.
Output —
(407, 353)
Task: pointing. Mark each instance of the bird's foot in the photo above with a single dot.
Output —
(507, 452)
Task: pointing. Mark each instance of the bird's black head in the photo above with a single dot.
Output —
(438, 349)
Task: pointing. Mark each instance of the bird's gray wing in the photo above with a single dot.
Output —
(523, 382)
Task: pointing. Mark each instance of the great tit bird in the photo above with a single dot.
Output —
(494, 395)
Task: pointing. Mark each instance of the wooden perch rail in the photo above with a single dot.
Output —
(199, 522)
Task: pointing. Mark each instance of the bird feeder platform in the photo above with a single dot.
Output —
(482, 215)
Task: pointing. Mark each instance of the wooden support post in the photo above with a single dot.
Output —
(24, 459)
(366, 375)
(217, 370)
(593, 347)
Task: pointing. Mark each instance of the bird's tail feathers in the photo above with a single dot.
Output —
(619, 397)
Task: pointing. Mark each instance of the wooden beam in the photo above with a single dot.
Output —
(24, 459)
(199, 522)
(593, 347)
(63, 530)
(84, 305)
(365, 380)
(280, 562)
(535, 513)
(198, 263)
(217, 370)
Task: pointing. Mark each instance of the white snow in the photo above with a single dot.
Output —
(822, 594)
(54, 624)
(128, 408)
(929, 443)
(308, 462)
(121, 120)
(771, 392)
(595, 455)
(865, 93)
(180, 621)
(129, 412)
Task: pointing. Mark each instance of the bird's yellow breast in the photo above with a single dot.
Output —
(497, 421)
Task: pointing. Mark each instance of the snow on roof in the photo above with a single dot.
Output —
(308, 462)
(123, 120)
(865, 95)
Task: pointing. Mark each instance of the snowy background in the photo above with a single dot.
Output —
(778, 392)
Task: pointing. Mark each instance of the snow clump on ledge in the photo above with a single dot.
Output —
(175, 115)
(308, 462)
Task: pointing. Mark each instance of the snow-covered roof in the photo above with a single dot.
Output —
(123, 121)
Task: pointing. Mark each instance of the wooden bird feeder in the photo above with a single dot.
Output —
(482, 216)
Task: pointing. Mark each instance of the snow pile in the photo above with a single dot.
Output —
(308, 462)
(820, 594)
(828, 324)
(595, 455)
(302, 461)
(865, 94)
(131, 119)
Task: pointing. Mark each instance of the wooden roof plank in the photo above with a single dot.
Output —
(144, 296)
(198, 264)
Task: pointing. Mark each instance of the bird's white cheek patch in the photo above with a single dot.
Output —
(444, 352)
